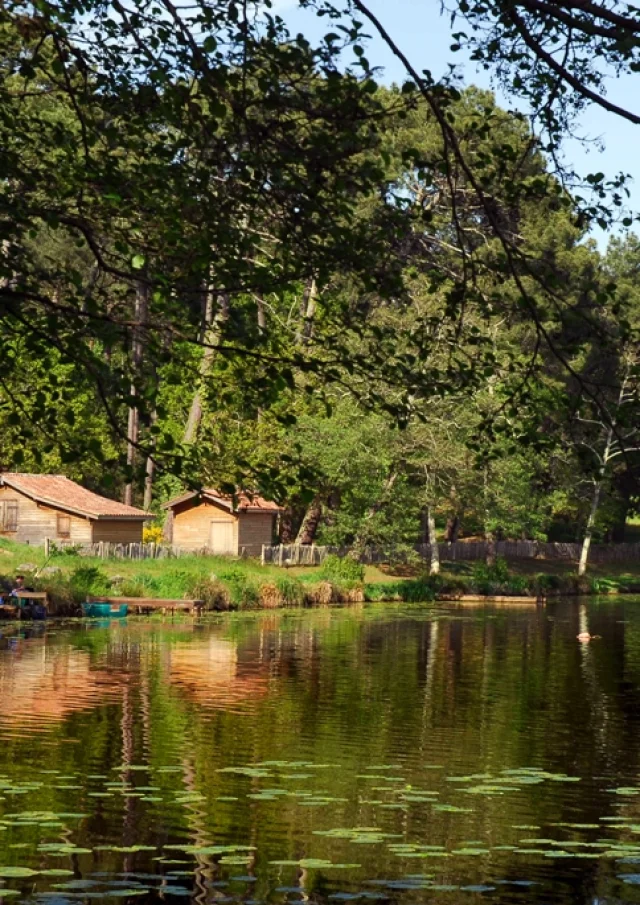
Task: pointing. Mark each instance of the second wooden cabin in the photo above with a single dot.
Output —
(210, 520)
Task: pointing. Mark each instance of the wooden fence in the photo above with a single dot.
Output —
(108, 550)
(311, 555)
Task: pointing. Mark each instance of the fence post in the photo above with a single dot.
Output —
(47, 548)
(262, 559)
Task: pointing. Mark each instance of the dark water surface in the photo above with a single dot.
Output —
(391, 754)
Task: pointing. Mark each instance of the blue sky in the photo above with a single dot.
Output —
(424, 35)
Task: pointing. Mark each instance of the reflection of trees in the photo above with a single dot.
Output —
(477, 693)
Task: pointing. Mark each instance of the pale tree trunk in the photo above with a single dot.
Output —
(212, 322)
(149, 475)
(489, 535)
(133, 423)
(307, 313)
(434, 567)
(262, 316)
(595, 503)
(607, 454)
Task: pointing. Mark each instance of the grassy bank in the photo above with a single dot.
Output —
(226, 584)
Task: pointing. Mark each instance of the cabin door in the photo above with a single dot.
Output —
(221, 537)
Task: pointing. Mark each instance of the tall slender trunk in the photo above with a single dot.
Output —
(452, 529)
(489, 534)
(307, 313)
(595, 503)
(602, 471)
(213, 318)
(133, 423)
(434, 567)
(150, 471)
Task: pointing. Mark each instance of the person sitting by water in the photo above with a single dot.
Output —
(18, 585)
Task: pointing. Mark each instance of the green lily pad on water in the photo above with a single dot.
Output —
(10, 872)
(470, 851)
(125, 849)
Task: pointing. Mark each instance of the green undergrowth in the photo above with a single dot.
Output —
(227, 584)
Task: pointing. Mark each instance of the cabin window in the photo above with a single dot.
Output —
(9, 515)
(64, 526)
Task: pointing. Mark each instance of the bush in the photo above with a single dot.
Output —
(131, 587)
(212, 591)
(341, 569)
(321, 594)
(87, 581)
(152, 535)
(498, 573)
(418, 590)
(244, 591)
(291, 591)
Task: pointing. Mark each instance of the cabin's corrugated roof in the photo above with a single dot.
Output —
(61, 493)
(245, 502)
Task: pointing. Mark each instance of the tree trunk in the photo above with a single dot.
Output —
(591, 521)
(149, 475)
(212, 323)
(361, 538)
(133, 424)
(452, 529)
(597, 489)
(434, 568)
(489, 535)
(307, 313)
(310, 523)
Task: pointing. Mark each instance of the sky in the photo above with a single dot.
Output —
(425, 37)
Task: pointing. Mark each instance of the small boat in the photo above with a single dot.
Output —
(101, 610)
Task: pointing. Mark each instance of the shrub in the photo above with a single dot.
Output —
(212, 591)
(269, 595)
(291, 591)
(88, 580)
(244, 591)
(417, 591)
(152, 535)
(131, 587)
(321, 594)
(341, 569)
(498, 573)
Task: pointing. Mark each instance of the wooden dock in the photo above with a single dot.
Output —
(151, 604)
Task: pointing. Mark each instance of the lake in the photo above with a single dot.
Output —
(388, 753)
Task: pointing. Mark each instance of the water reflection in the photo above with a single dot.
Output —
(447, 753)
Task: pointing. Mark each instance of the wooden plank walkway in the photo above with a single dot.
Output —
(148, 604)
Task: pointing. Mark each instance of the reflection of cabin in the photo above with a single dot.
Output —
(212, 521)
(36, 506)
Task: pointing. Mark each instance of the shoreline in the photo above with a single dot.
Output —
(353, 600)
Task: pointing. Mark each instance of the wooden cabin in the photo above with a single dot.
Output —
(209, 520)
(36, 506)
